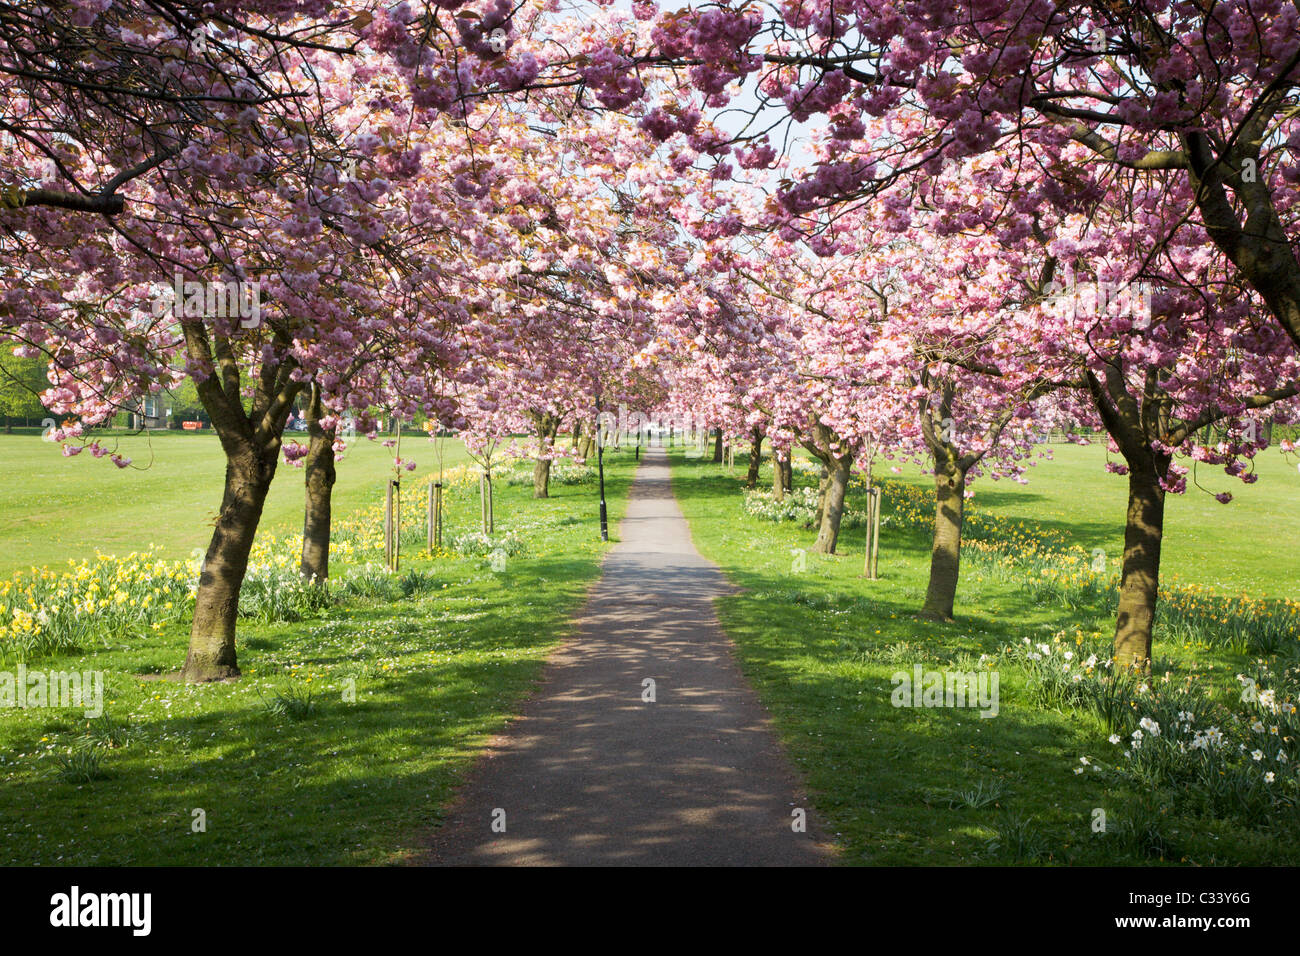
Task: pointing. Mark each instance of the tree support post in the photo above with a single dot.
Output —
(870, 566)
(393, 524)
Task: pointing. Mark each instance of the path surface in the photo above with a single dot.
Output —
(593, 775)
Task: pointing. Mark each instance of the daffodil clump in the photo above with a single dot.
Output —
(274, 588)
(110, 599)
(800, 505)
(476, 543)
(563, 472)
(46, 610)
(1230, 756)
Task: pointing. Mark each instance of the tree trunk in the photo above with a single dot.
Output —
(780, 484)
(587, 442)
(1140, 577)
(717, 448)
(755, 458)
(211, 653)
(945, 551)
(823, 488)
(837, 483)
(320, 478)
(548, 427)
(251, 439)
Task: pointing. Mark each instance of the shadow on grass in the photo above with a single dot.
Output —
(822, 647)
(352, 782)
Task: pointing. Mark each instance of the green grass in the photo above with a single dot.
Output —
(285, 768)
(54, 508)
(349, 732)
(904, 786)
(1247, 545)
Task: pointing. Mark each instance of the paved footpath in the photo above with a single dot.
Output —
(593, 775)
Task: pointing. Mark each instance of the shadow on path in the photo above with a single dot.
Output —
(592, 774)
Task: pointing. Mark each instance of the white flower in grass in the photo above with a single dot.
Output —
(1085, 761)
(1114, 738)
(1281, 756)
(1044, 648)
(1150, 726)
(1078, 770)
(1258, 727)
(1269, 777)
(1068, 655)
(1267, 699)
(1257, 755)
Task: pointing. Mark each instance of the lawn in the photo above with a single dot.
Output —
(54, 508)
(919, 786)
(345, 739)
(1246, 545)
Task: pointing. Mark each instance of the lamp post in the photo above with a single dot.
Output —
(600, 471)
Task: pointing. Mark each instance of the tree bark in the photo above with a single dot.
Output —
(780, 482)
(1140, 575)
(251, 440)
(320, 478)
(542, 478)
(587, 442)
(211, 654)
(945, 549)
(823, 488)
(1130, 422)
(836, 468)
(837, 484)
(548, 427)
(1259, 246)
(755, 458)
(717, 448)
